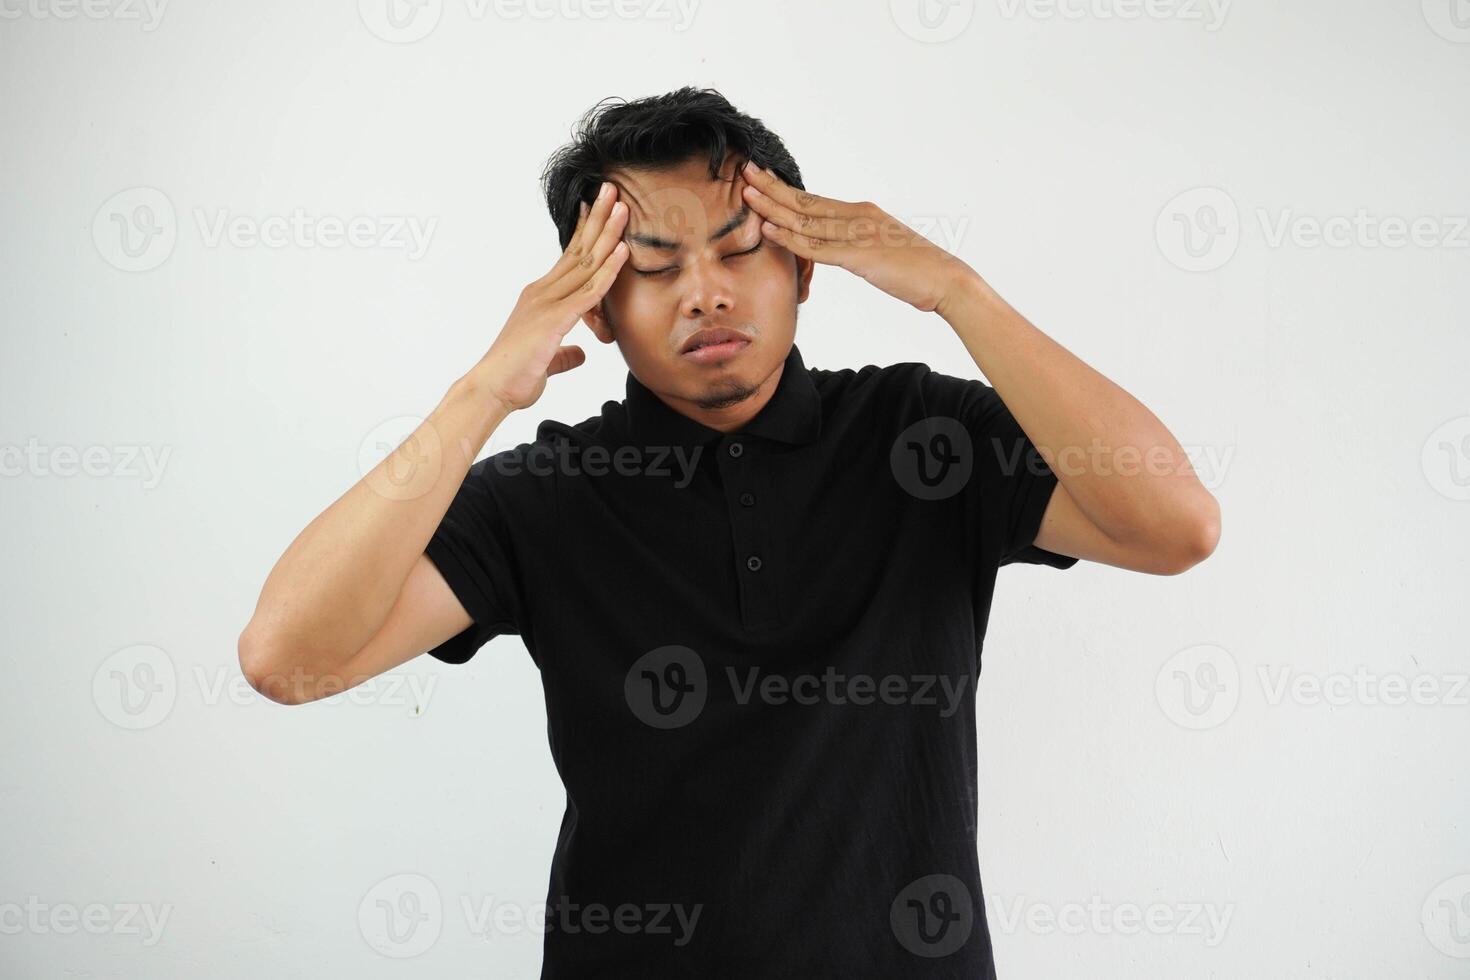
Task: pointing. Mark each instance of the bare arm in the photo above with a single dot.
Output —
(344, 575)
(353, 595)
(1127, 494)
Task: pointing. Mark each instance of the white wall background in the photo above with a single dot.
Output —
(1322, 386)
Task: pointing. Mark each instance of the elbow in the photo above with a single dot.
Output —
(265, 670)
(1197, 540)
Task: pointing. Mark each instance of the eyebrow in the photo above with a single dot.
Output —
(663, 244)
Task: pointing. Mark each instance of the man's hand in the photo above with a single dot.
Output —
(529, 348)
(861, 238)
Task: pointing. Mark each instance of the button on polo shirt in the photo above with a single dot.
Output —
(758, 651)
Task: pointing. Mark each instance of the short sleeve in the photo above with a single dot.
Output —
(473, 549)
(1010, 482)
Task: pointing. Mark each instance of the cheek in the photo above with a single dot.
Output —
(628, 290)
(633, 302)
(770, 277)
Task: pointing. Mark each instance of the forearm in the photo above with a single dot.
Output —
(1119, 463)
(335, 584)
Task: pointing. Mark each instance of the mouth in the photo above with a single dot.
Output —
(713, 346)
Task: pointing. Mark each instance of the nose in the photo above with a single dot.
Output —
(711, 289)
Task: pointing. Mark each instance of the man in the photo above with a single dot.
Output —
(756, 590)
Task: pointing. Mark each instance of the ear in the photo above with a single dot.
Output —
(804, 269)
(597, 321)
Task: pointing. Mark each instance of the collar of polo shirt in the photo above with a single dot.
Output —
(793, 415)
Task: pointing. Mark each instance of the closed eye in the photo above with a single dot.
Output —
(658, 272)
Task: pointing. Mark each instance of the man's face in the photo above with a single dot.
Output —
(697, 261)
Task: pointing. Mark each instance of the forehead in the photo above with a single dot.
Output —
(679, 203)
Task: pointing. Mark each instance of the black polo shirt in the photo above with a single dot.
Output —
(759, 653)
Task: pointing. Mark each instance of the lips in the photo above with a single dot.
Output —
(710, 337)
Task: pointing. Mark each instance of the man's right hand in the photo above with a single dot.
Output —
(354, 594)
(529, 349)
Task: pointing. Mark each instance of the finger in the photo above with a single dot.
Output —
(582, 210)
(597, 212)
(810, 225)
(591, 292)
(576, 274)
(794, 198)
(818, 249)
(565, 359)
(587, 230)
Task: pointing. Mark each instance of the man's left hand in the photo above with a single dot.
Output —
(861, 238)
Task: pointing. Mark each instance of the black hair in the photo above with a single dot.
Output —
(654, 132)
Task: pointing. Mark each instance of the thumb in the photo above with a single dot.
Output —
(565, 359)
